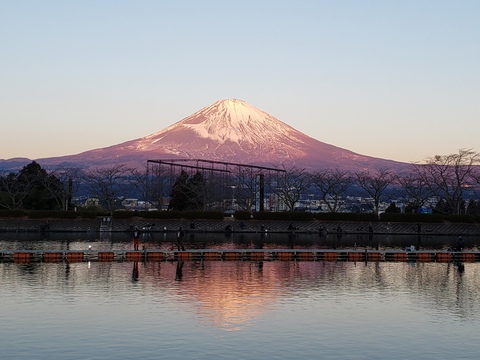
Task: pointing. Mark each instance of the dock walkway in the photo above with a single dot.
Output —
(71, 256)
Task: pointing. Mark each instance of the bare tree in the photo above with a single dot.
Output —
(449, 175)
(290, 185)
(475, 178)
(245, 188)
(62, 183)
(110, 184)
(13, 191)
(416, 187)
(213, 190)
(152, 185)
(375, 185)
(332, 185)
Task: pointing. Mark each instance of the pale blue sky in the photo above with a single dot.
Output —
(393, 79)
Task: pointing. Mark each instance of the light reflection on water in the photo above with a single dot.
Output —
(241, 310)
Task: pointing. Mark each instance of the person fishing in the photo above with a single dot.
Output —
(136, 238)
(180, 235)
(460, 244)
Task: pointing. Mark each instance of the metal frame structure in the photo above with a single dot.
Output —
(231, 186)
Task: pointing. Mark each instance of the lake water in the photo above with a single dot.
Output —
(235, 310)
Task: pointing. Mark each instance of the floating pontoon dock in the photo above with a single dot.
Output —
(27, 256)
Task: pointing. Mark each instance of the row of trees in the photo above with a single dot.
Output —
(442, 179)
(34, 188)
(447, 179)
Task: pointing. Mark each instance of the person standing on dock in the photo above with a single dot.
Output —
(136, 239)
(180, 235)
(460, 244)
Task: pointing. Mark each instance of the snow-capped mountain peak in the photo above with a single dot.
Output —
(230, 120)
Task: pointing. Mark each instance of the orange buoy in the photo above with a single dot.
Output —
(444, 257)
(106, 256)
(212, 255)
(400, 257)
(468, 257)
(231, 255)
(305, 256)
(134, 256)
(330, 256)
(424, 257)
(284, 256)
(155, 256)
(52, 257)
(374, 256)
(75, 257)
(355, 256)
(21, 257)
(257, 256)
(184, 256)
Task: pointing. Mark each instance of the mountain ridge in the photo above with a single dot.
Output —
(228, 130)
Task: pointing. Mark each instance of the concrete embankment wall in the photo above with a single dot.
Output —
(105, 224)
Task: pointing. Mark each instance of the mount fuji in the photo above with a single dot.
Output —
(228, 130)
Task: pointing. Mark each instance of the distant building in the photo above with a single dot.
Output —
(92, 202)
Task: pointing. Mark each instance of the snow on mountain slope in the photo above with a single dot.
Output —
(235, 121)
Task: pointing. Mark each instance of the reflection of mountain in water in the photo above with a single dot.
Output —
(228, 295)
(231, 294)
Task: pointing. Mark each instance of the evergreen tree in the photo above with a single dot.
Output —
(393, 209)
(39, 184)
(473, 207)
(188, 193)
(179, 194)
(442, 207)
(196, 190)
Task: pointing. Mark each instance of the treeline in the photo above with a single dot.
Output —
(447, 185)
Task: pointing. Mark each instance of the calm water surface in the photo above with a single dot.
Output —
(236, 310)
